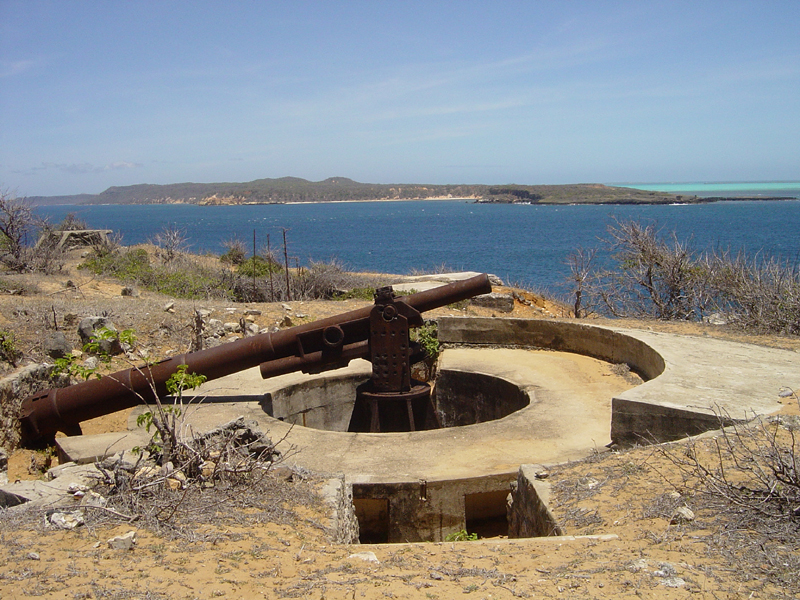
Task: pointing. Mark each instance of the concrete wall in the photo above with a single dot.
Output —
(338, 495)
(466, 398)
(321, 403)
(528, 511)
(646, 423)
(428, 511)
(597, 342)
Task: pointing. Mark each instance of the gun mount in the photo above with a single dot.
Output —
(379, 333)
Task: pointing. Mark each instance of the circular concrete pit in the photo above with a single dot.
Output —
(547, 396)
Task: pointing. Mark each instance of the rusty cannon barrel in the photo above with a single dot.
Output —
(325, 344)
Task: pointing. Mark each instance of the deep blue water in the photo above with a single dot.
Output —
(524, 244)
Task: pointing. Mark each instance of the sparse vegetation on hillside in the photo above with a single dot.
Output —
(338, 189)
(650, 276)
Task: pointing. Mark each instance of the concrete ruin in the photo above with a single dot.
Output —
(506, 396)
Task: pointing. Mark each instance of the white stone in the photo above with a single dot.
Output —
(366, 556)
(683, 515)
(67, 520)
(123, 542)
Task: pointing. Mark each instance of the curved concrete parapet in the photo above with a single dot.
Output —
(693, 383)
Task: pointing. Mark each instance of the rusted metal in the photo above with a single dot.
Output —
(320, 345)
(391, 400)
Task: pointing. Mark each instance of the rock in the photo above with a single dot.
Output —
(785, 393)
(66, 520)
(252, 312)
(91, 362)
(494, 301)
(231, 327)
(495, 280)
(683, 515)
(3, 459)
(203, 313)
(286, 307)
(87, 331)
(129, 291)
(215, 328)
(251, 329)
(174, 484)
(286, 321)
(366, 556)
(9, 499)
(56, 345)
(92, 498)
(33, 556)
(301, 315)
(122, 542)
(715, 319)
(638, 565)
(207, 469)
(147, 472)
(170, 306)
(665, 569)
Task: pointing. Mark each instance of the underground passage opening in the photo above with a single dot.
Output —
(485, 513)
(458, 398)
(373, 520)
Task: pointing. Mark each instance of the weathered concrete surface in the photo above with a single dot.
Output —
(528, 511)
(426, 476)
(691, 378)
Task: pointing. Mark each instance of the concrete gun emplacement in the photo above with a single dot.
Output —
(390, 401)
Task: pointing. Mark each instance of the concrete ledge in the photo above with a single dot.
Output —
(597, 342)
(693, 383)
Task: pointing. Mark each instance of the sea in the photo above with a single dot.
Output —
(523, 244)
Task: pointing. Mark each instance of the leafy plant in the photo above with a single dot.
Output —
(8, 348)
(181, 381)
(461, 536)
(427, 337)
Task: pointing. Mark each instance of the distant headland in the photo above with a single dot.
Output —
(285, 190)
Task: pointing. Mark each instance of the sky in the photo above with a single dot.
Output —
(107, 93)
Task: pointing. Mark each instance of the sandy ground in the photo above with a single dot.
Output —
(629, 497)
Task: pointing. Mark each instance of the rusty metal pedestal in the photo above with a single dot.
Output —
(379, 412)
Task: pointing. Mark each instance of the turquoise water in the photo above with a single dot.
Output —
(728, 190)
(525, 244)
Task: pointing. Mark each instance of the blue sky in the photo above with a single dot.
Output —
(95, 94)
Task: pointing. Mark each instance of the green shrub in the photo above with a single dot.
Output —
(257, 266)
(8, 348)
(461, 536)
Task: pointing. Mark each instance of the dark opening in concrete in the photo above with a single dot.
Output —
(373, 520)
(459, 398)
(485, 513)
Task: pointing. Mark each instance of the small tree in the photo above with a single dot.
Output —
(171, 241)
(653, 278)
(18, 224)
(580, 267)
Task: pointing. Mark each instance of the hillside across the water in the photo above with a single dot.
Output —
(340, 189)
